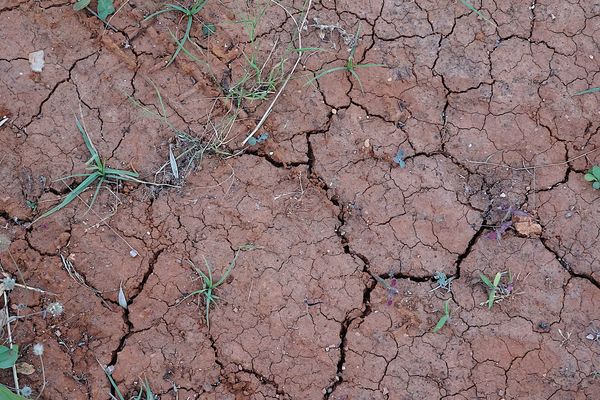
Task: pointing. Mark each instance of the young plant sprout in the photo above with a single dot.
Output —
(444, 317)
(497, 290)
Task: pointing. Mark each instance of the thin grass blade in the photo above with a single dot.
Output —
(369, 65)
(183, 40)
(355, 75)
(164, 10)
(95, 194)
(210, 278)
(229, 269)
(71, 196)
(497, 279)
(120, 172)
(440, 323)
(321, 74)
(591, 90)
(485, 280)
(476, 11)
(114, 385)
(88, 142)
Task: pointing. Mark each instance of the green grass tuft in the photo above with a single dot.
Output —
(99, 174)
(350, 66)
(188, 13)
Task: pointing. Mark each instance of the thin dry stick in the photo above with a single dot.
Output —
(10, 342)
(43, 378)
(24, 285)
(114, 15)
(281, 89)
(532, 166)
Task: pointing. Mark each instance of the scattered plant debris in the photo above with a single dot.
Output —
(391, 287)
(512, 216)
(594, 335)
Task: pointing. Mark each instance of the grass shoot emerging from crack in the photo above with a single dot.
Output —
(188, 13)
(259, 79)
(350, 66)
(497, 290)
(444, 317)
(144, 391)
(209, 285)
(99, 174)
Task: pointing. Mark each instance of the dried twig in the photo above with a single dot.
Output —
(531, 167)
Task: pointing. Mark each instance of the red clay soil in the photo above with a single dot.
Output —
(485, 114)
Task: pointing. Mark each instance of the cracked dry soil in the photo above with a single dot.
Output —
(472, 105)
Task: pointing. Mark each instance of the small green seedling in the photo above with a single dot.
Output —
(105, 7)
(444, 317)
(8, 357)
(497, 290)
(593, 175)
(144, 390)
(189, 13)
(99, 173)
(350, 66)
(208, 285)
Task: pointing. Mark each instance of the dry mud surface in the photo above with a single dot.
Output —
(474, 105)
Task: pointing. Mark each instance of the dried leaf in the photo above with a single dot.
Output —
(526, 226)
(122, 299)
(25, 368)
(173, 162)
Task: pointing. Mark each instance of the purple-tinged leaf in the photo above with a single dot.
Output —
(520, 213)
(504, 227)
